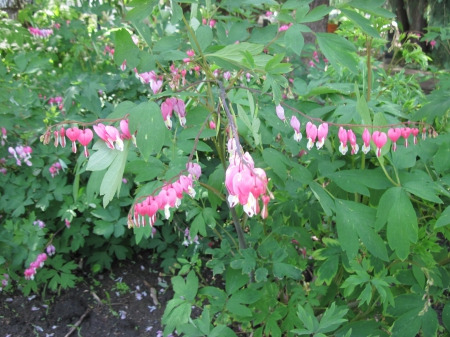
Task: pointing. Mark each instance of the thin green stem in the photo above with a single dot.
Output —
(387, 175)
(369, 67)
(231, 238)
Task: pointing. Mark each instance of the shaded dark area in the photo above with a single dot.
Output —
(55, 314)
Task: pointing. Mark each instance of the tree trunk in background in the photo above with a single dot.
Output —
(417, 11)
(318, 26)
(12, 7)
(402, 15)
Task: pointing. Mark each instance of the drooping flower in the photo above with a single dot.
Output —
(62, 137)
(280, 112)
(265, 211)
(110, 135)
(380, 139)
(424, 133)
(180, 109)
(123, 66)
(343, 138)
(125, 130)
(432, 44)
(194, 169)
(352, 139)
(366, 139)
(295, 123)
(405, 134)
(394, 135)
(51, 250)
(4, 136)
(311, 134)
(166, 111)
(212, 125)
(322, 133)
(85, 138)
(72, 134)
(227, 75)
(415, 132)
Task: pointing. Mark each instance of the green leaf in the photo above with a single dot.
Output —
(338, 51)
(349, 216)
(102, 158)
(261, 274)
(145, 171)
(439, 103)
(402, 227)
(243, 116)
(430, 323)
(373, 242)
(361, 22)
(323, 198)
(293, 39)
(446, 316)
(235, 308)
(422, 190)
(222, 331)
(147, 120)
(444, 218)
(141, 11)
(198, 226)
(442, 158)
(281, 270)
(177, 12)
(204, 37)
(316, 14)
(234, 53)
(125, 49)
(234, 280)
(273, 159)
(112, 181)
(362, 108)
(327, 270)
(350, 181)
(372, 7)
(104, 228)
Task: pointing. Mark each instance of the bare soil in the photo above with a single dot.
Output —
(101, 304)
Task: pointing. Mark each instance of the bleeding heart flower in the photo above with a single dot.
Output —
(394, 135)
(72, 134)
(343, 138)
(85, 138)
(366, 139)
(380, 139)
(311, 134)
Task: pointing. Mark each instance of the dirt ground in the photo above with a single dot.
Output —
(128, 300)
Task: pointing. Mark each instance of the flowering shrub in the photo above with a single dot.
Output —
(310, 234)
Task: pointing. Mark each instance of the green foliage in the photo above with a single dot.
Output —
(345, 237)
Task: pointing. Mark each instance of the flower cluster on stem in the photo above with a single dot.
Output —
(38, 263)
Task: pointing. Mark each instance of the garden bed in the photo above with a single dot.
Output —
(101, 304)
